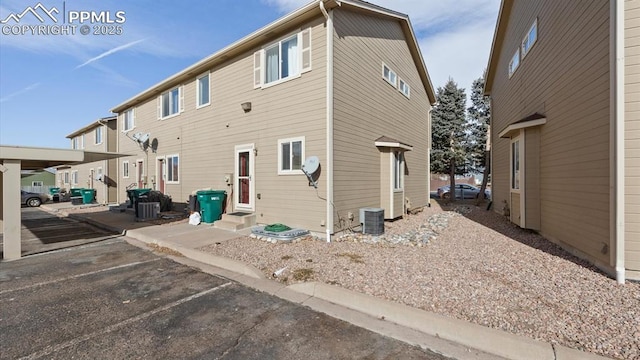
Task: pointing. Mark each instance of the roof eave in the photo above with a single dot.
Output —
(90, 126)
(498, 36)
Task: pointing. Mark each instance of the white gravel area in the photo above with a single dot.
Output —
(479, 268)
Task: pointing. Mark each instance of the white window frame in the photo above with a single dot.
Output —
(198, 90)
(291, 171)
(75, 143)
(516, 141)
(515, 59)
(161, 115)
(527, 43)
(66, 177)
(98, 135)
(74, 177)
(167, 160)
(128, 118)
(393, 76)
(304, 40)
(404, 88)
(82, 141)
(125, 169)
(397, 170)
(37, 183)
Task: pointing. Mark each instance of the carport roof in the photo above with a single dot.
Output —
(34, 158)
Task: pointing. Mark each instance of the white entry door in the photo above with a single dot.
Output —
(243, 178)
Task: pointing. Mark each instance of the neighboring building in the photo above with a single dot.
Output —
(37, 180)
(564, 81)
(344, 83)
(99, 136)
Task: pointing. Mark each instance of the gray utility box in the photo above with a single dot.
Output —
(372, 221)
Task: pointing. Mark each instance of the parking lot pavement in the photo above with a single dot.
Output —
(113, 300)
(42, 231)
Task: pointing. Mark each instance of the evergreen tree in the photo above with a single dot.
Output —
(449, 138)
(479, 121)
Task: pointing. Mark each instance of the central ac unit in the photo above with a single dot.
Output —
(372, 221)
(148, 210)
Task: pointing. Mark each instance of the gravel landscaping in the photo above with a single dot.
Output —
(467, 263)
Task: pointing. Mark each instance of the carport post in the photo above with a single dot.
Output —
(10, 214)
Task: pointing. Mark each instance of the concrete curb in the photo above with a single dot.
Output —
(475, 336)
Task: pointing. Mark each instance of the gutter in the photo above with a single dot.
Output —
(618, 77)
(329, 104)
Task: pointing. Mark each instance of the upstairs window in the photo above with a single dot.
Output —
(170, 103)
(75, 143)
(128, 122)
(404, 88)
(514, 63)
(98, 135)
(285, 59)
(202, 84)
(530, 38)
(389, 75)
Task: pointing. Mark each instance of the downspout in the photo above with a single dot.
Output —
(617, 15)
(105, 163)
(329, 105)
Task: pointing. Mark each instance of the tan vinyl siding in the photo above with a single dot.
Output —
(565, 76)
(367, 107)
(532, 178)
(632, 135)
(205, 138)
(515, 208)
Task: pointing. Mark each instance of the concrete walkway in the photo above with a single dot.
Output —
(451, 337)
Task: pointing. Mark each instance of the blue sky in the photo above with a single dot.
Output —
(52, 85)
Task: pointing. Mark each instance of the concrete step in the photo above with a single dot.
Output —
(235, 221)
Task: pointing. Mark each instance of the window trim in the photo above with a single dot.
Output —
(33, 183)
(512, 69)
(260, 59)
(208, 76)
(526, 38)
(180, 103)
(124, 120)
(397, 163)
(98, 130)
(300, 139)
(278, 43)
(406, 94)
(515, 140)
(166, 164)
(126, 174)
(395, 83)
(66, 179)
(74, 177)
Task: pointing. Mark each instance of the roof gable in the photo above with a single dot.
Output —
(496, 46)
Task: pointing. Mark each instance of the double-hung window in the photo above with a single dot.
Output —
(75, 143)
(170, 103)
(398, 170)
(285, 59)
(290, 155)
(128, 121)
(66, 177)
(74, 177)
(202, 84)
(404, 88)
(98, 135)
(125, 169)
(173, 167)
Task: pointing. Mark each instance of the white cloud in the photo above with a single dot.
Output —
(454, 36)
(109, 52)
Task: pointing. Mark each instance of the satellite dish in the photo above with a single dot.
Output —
(144, 138)
(136, 136)
(310, 167)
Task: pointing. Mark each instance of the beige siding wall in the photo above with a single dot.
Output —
(205, 138)
(367, 107)
(565, 76)
(632, 135)
(532, 178)
(87, 172)
(515, 208)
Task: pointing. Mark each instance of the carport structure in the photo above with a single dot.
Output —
(13, 159)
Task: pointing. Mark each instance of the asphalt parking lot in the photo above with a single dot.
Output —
(109, 299)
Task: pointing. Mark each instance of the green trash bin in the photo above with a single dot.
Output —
(54, 190)
(211, 202)
(88, 195)
(76, 192)
(134, 194)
